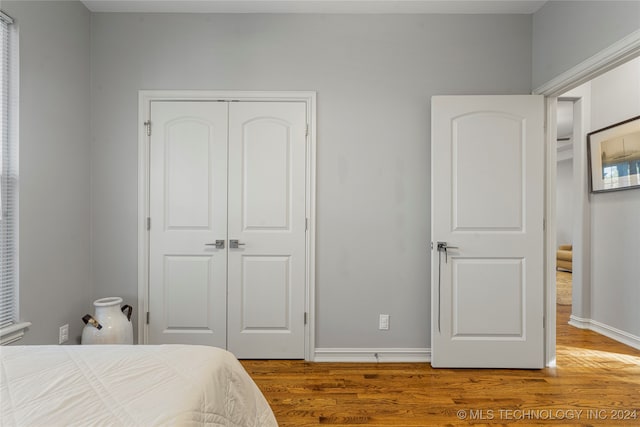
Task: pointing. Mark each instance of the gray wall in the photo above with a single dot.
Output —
(374, 76)
(565, 33)
(564, 202)
(54, 166)
(615, 217)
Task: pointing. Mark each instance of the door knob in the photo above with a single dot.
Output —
(219, 244)
(235, 244)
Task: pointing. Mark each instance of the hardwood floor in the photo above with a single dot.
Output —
(596, 382)
(564, 287)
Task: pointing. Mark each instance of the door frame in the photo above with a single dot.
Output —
(145, 97)
(616, 54)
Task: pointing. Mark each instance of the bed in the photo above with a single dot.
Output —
(128, 385)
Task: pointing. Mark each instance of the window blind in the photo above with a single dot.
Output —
(8, 186)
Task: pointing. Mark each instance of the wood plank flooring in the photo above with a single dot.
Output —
(563, 287)
(596, 382)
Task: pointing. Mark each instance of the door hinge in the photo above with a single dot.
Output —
(306, 224)
(305, 317)
(306, 130)
(147, 126)
(147, 317)
(148, 223)
(544, 225)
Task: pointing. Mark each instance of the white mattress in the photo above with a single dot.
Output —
(113, 385)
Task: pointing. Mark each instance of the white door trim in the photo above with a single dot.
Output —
(144, 102)
(616, 54)
(551, 143)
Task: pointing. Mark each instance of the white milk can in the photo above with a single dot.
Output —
(109, 324)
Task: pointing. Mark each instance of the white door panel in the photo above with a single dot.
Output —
(187, 306)
(188, 208)
(487, 205)
(187, 168)
(491, 170)
(475, 282)
(265, 278)
(267, 151)
(266, 174)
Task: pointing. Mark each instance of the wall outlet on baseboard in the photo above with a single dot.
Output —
(384, 322)
(64, 334)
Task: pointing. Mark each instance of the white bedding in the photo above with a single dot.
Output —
(113, 385)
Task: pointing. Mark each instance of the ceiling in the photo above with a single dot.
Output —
(316, 6)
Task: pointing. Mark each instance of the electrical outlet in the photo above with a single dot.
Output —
(64, 334)
(384, 322)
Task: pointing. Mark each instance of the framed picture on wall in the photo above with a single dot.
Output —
(614, 156)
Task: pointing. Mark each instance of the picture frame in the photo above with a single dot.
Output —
(614, 157)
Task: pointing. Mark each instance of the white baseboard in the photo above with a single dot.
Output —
(411, 355)
(606, 330)
(579, 322)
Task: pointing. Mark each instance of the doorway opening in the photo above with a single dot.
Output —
(564, 202)
(595, 304)
(616, 54)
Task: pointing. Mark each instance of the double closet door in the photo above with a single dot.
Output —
(228, 226)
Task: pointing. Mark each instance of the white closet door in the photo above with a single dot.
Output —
(188, 210)
(266, 286)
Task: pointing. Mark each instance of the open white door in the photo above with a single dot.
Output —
(487, 186)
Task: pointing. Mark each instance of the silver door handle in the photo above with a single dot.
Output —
(235, 244)
(443, 247)
(219, 244)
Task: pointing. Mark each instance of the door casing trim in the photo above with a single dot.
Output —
(145, 97)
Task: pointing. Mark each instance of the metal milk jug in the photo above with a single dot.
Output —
(109, 324)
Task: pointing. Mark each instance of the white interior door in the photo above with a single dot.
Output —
(188, 211)
(487, 175)
(267, 152)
